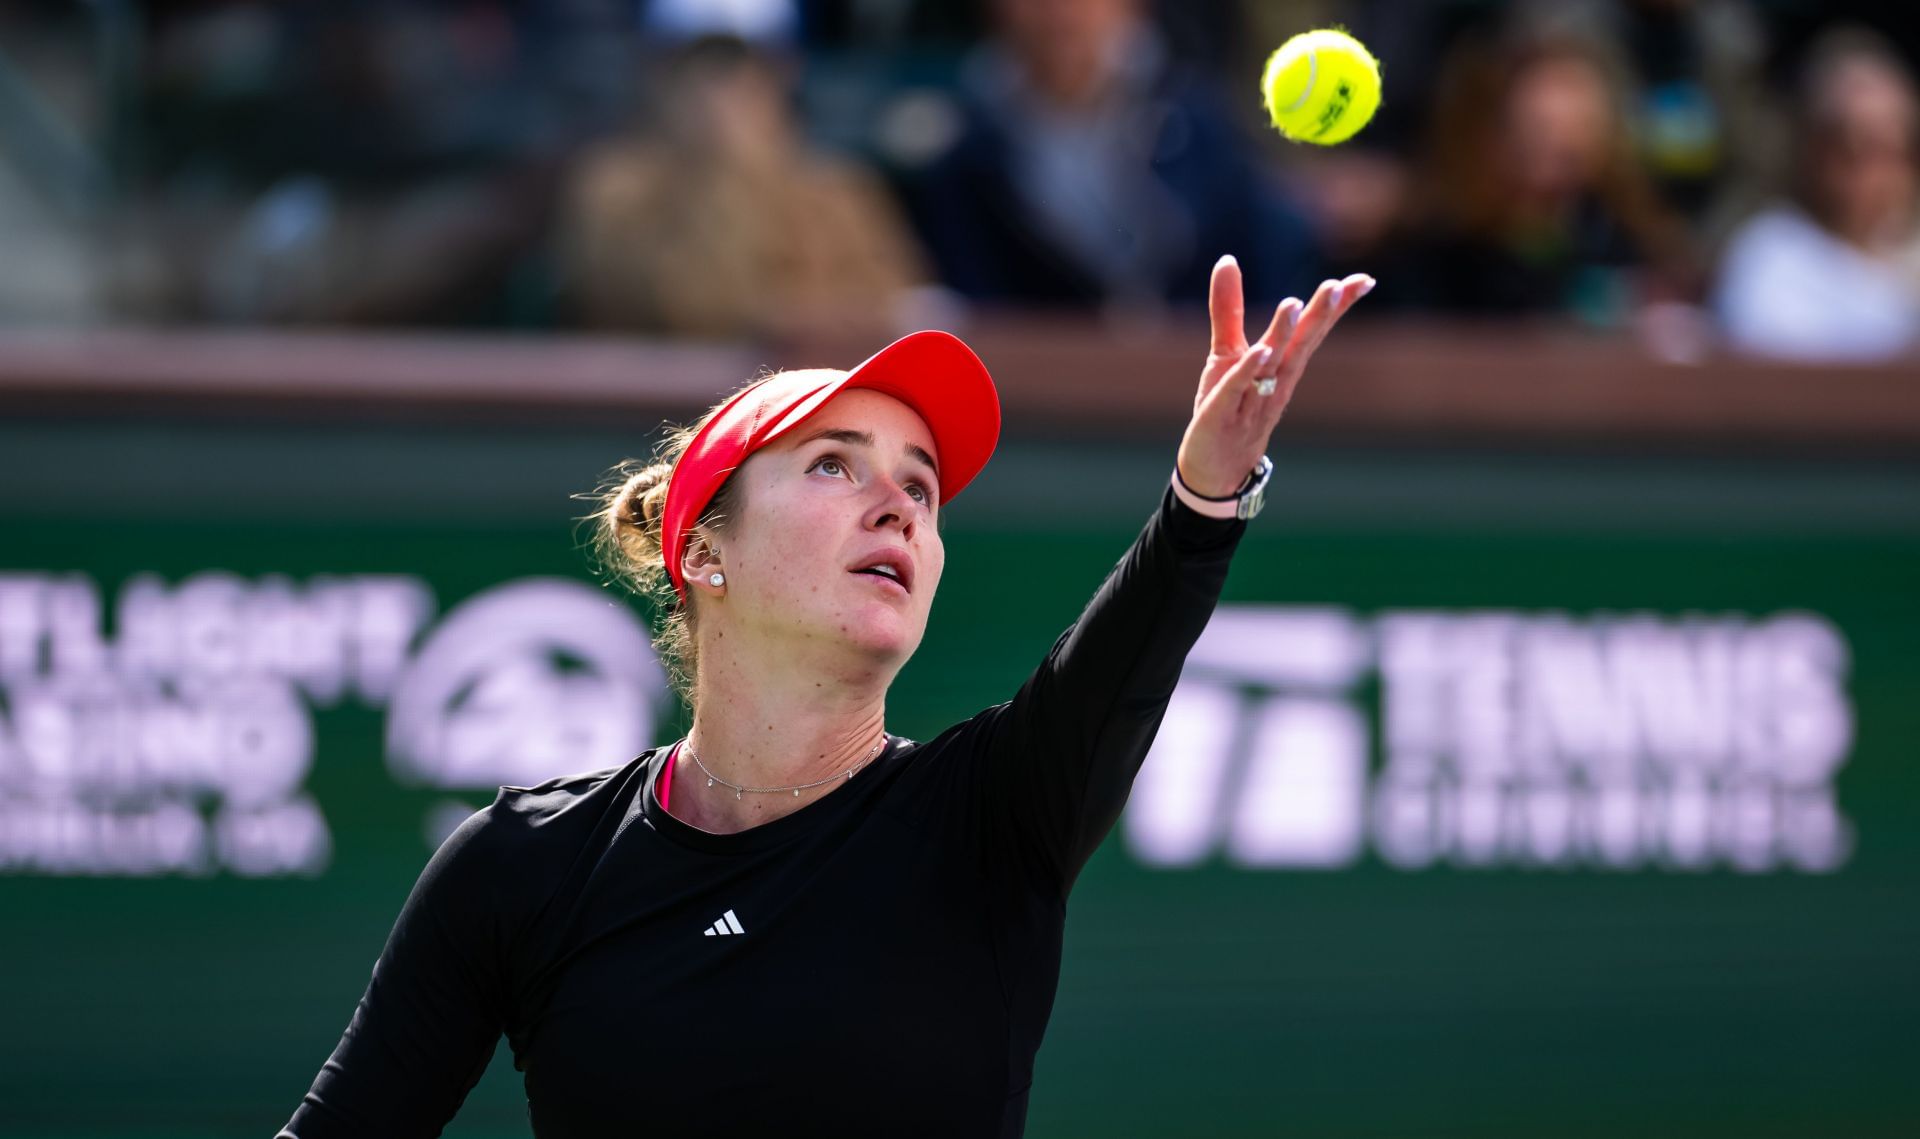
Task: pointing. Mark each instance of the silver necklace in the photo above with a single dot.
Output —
(739, 790)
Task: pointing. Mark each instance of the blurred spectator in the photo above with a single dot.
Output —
(1535, 199)
(52, 184)
(720, 221)
(1698, 102)
(1834, 272)
(357, 163)
(1088, 168)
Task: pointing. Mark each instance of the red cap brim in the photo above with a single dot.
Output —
(932, 372)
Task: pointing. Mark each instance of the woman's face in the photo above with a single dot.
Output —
(1863, 167)
(1559, 121)
(854, 487)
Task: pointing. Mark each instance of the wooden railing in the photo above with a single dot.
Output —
(1381, 379)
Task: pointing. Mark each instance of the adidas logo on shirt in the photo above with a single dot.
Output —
(726, 926)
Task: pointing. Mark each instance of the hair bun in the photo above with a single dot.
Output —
(644, 497)
(630, 509)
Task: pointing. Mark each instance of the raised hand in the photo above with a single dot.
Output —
(1244, 387)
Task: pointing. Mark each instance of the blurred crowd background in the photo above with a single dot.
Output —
(1693, 172)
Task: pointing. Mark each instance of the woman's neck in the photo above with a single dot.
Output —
(762, 727)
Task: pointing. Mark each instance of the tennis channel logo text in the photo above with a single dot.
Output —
(181, 742)
(1306, 737)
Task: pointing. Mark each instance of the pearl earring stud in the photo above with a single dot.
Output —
(717, 580)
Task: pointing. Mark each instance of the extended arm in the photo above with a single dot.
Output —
(1061, 756)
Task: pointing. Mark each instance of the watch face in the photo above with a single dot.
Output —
(1256, 496)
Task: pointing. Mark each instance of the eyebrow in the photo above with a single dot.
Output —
(865, 439)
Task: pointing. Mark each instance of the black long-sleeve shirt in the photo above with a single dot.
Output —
(881, 961)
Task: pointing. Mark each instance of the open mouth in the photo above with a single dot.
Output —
(891, 568)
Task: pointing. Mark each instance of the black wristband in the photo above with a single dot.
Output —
(1234, 497)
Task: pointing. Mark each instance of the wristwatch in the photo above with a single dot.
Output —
(1253, 495)
(1243, 503)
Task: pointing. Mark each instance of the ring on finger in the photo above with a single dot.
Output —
(1264, 385)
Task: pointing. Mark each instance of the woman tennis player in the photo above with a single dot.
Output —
(791, 922)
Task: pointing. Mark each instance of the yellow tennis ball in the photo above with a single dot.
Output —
(1321, 87)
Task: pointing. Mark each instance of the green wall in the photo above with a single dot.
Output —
(1216, 997)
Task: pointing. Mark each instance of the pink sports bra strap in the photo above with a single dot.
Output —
(666, 776)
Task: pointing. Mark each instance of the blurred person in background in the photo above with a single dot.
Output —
(51, 176)
(1833, 271)
(1090, 169)
(1533, 198)
(394, 163)
(1697, 101)
(718, 220)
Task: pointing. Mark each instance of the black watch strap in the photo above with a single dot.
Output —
(1252, 477)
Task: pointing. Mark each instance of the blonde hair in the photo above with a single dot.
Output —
(628, 546)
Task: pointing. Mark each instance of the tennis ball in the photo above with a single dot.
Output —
(1321, 87)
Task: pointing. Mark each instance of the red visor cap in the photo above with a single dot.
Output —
(932, 372)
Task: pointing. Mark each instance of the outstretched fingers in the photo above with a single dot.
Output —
(1226, 308)
(1244, 389)
(1330, 302)
(1249, 385)
(1285, 318)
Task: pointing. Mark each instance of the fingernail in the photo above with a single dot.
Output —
(1337, 295)
(1366, 287)
(1225, 259)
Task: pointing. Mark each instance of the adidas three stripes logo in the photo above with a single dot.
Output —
(726, 926)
